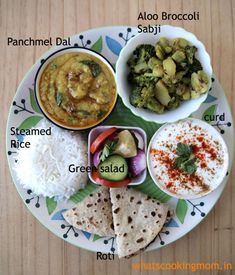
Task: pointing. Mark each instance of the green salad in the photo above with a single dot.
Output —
(165, 75)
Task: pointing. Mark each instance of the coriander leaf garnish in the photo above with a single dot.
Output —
(105, 153)
(108, 149)
(179, 161)
(183, 149)
(94, 67)
(59, 98)
(84, 113)
(190, 169)
(186, 159)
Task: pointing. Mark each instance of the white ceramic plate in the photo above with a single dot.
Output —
(24, 113)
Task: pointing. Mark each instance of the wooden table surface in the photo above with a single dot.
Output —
(26, 247)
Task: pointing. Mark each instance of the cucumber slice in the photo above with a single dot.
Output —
(114, 168)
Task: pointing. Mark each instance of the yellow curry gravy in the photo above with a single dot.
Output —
(77, 89)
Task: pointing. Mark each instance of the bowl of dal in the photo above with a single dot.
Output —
(75, 88)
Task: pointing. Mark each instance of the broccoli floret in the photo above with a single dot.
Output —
(144, 80)
(146, 93)
(132, 62)
(141, 68)
(195, 67)
(144, 52)
(138, 63)
(140, 80)
(174, 103)
(131, 77)
(190, 52)
(139, 96)
(135, 98)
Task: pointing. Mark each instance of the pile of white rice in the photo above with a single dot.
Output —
(44, 167)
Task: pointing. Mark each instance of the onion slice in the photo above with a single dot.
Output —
(139, 138)
(96, 158)
(137, 164)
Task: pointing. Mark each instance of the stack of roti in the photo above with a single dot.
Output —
(135, 218)
(93, 214)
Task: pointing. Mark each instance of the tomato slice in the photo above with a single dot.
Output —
(101, 138)
(112, 184)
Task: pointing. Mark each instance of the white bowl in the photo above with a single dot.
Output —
(74, 49)
(122, 70)
(98, 130)
(162, 135)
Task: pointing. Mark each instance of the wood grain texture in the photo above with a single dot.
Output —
(26, 247)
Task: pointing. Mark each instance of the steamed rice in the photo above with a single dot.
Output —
(43, 167)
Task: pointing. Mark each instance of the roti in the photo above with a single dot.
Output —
(137, 220)
(93, 214)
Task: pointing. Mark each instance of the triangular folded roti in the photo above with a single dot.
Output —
(93, 214)
(137, 220)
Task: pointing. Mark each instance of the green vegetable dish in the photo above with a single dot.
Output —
(165, 75)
